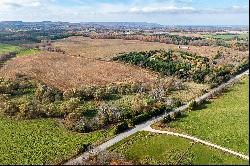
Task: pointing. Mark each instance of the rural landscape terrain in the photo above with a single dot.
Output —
(123, 93)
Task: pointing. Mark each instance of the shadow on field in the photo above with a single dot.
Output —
(202, 106)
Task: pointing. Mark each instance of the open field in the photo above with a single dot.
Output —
(148, 148)
(66, 72)
(227, 36)
(104, 48)
(28, 52)
(108, 48)
(224, 121)
(5, 48)
(42, 141)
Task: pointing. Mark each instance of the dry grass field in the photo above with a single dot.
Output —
(66, 72)
(84, 62)
(107, 48)
(104, 48)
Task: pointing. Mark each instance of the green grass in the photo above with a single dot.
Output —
(6, 48)
(149, 148)
(227, 36)
(224, 121)
(28, 52)
(41, 141)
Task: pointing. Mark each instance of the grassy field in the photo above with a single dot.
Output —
(149, 148)
(224, 121)
(67, 72)
(108, 48)
(5, 48)
(28, 52)
(41, 141)
(227, 36)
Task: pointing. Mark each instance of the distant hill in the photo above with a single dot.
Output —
(121, 25)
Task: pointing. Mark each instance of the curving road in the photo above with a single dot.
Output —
(145, 125)
(148, 128)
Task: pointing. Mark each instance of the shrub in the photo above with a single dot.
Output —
(108, 114)
(193, 105)
(10, 109)
(124, 89)
(139, 119)
(85, 125)
(157, 110)
(136, 87)
(112, 89)
(70, 105)
(114, 114)
(87, 93)
(121, 127)
(101, 94)
(108, 158)
(137, 105)
(32, 109)
(175, 115)
(166, 119)
(102, 117)
(71, 93)
(53, 110)
(7, 87)
(83, 148)
(176, 103)
(47, 94)
(4, 97)
(71, 120)
(126, 114)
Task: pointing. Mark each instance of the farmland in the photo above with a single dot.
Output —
(67, 72)
(104, 48)
(155, 149)
(108, 48)
(229, 125)
(5, 48)
(227, 36)
(82, 54)
(63, 91)
(42, 141)
(27, 52)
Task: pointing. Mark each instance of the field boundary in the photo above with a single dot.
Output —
(150, 129)
(142, 126)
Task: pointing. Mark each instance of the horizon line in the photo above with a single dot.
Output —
(124, 22)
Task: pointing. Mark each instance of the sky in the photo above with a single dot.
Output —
(166, 12)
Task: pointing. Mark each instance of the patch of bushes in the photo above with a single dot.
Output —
(108, 158)
(71, 120)
(156, 110)
(105, 92)
(193, 105)
(70, 105)
(11, 109)
(175, 115)
(166, 119)
(31, 110)
(184, 65)
(81, 109)
(121, 127)
(47, 94)
(171, 117)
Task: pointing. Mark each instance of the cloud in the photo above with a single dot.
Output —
(9, 4)
(167, 9)
(103, 10)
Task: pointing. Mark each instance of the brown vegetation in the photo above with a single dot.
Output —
(67, 72)
(108, 48)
